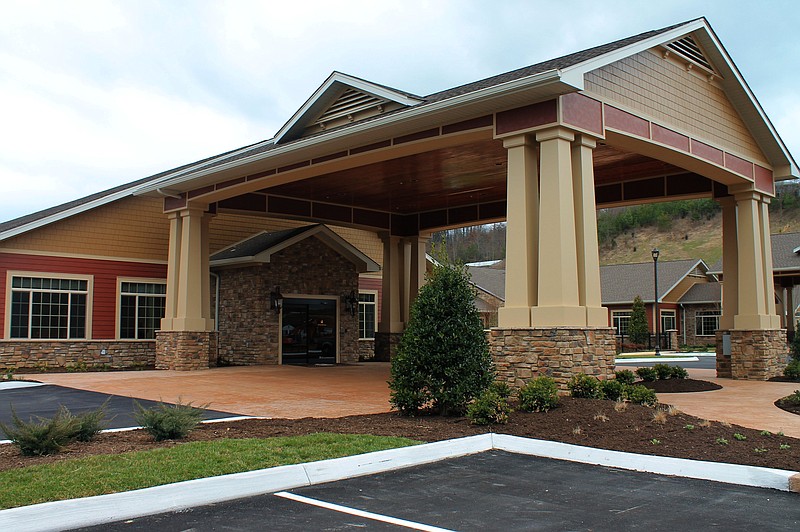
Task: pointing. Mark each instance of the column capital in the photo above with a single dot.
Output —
(585, 141)
(557, 132)
(519, 140)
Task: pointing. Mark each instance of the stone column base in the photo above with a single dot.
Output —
(755, 355)
(186, 350)
(386, 345)
(522, 354)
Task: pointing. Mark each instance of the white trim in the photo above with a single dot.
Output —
(37, 253)
(375, 304)
(118, 310)
(682, 277)
(333, 86)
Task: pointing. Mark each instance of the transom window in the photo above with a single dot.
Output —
(367, 317)
(620, 319)
(141, 309)
(707, 322)
(48, 308)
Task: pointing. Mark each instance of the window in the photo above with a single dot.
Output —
(367, 315)
(141, 309)
(668, 320)
(707, 322)
(48, 308)
(620, 321)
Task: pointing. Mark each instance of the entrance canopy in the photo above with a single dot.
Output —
(671, 115)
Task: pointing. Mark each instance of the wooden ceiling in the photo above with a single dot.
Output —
(464, 175)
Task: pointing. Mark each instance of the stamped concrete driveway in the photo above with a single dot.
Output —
(272, 391)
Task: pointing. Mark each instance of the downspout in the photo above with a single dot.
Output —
(683, 322)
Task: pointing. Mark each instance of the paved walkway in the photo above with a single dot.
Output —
(294, 392)
(272, 391)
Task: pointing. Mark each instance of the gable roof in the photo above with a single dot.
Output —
(553, 77)
(489, 280)
(785, 254)
(703, 293)
(621, 283)
(260, 248)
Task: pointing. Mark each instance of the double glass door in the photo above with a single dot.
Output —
(308, 331)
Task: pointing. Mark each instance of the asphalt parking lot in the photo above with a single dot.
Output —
(44, 401)
(495, 490)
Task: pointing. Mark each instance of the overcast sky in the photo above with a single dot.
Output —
(94, 94)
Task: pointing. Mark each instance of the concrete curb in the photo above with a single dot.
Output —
(651, 359)
(97, 510)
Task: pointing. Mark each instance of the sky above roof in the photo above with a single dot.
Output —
(94, 94)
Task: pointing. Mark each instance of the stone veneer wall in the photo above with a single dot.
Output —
(386, 345)
(755, 355)
(690, 325)
(79, 354)
(366, 350)
(249, 331)
(186, 350)
(522, 354)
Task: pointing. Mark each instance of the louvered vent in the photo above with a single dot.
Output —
(688, 49)
(350, 102)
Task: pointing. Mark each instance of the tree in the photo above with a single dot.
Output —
(638, 331)
(443, 359)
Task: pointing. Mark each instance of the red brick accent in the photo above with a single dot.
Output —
(583, 112)
(624, 121)
(526, 117)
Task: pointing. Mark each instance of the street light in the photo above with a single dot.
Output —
(657, 319)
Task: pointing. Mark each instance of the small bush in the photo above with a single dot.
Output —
(793, 398)
(647, 374)
(663, 371)
(44, 436)
(539, 395)
(168, 422)
(792, 371)
(490, 407)
(679, 373)
(625, 376)
(89, 424)
(641, 395)
(584, 386)
(612, 389)
(501, 388)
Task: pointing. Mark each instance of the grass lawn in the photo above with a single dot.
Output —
(97, 475)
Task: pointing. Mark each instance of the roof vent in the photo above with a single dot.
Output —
(349, 103)
(689, 50)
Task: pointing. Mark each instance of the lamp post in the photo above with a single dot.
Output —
(657, 319)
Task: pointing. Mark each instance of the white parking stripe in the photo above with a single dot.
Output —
(360, 513)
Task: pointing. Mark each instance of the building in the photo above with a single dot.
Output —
(661, 115)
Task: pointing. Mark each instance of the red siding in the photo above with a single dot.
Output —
(105, 272)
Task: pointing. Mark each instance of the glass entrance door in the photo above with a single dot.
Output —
(309, 331)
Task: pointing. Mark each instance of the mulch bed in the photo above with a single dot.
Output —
(680, 385)
(588, 422)
(790, 407)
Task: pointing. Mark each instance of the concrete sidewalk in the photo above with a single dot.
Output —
(294, 392)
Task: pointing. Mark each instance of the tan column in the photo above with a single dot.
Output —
(588, 254)
(391, 311)
(193, 277)
(558, 303)
(522, 214)
(205, 256)
(405, 279)
(753, 313)
(730, 264)
(789, 308)
(418, 264)
(766, 253)
(173, 271)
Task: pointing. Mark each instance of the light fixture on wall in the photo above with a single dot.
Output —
(276, 300)
(351, 302)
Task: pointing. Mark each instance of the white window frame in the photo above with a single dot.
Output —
(699, 315)
(621, 313)
(375, 305)
(11, 274)
(120, 280)
(671, 314)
